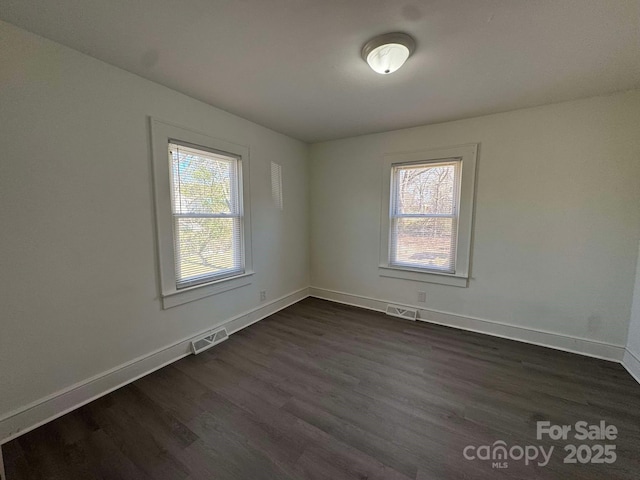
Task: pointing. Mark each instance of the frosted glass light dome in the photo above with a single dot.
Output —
(388, 58)
(387, 53)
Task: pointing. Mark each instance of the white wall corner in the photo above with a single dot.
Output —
(29, 417)
(582, 346)
(632, 364)
(631, 359)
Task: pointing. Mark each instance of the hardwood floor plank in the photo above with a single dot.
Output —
(327, 391)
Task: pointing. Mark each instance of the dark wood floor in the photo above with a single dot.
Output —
(325, 391)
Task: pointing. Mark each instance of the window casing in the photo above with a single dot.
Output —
(427, 212)
(202, 206)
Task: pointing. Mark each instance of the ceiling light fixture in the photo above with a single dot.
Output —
(387, 53)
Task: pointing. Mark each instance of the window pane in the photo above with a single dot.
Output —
(424, 243)
(426, 189)
(206, 247)
(202, 182)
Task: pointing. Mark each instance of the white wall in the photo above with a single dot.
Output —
(632, 355)
(79, 290)
(556, 232)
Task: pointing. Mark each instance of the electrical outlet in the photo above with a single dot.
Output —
(263, 295)
(422, 297)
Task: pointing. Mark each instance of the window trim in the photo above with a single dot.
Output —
(467, 154)
(162, 133)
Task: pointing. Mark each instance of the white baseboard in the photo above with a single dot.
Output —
(583, 346)
(631, 362)
(29, 417)
(24, 419)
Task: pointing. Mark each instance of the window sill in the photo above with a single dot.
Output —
(190, 294)
(423, 276)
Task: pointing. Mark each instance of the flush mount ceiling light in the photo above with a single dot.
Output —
(387, 53)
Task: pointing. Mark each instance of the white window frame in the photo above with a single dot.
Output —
(163, 133)
(467, 155)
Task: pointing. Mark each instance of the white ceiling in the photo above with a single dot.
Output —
(295, 66)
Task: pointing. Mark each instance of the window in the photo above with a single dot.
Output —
(424, 215)
(202, 214)
(207, 215)
(427, 215)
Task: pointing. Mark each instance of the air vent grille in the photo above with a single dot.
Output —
(208, 340)
(402, 312)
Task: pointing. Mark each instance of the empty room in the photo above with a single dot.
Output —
(306, 239)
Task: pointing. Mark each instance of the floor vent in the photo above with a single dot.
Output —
(208, 340)
(402, 312)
